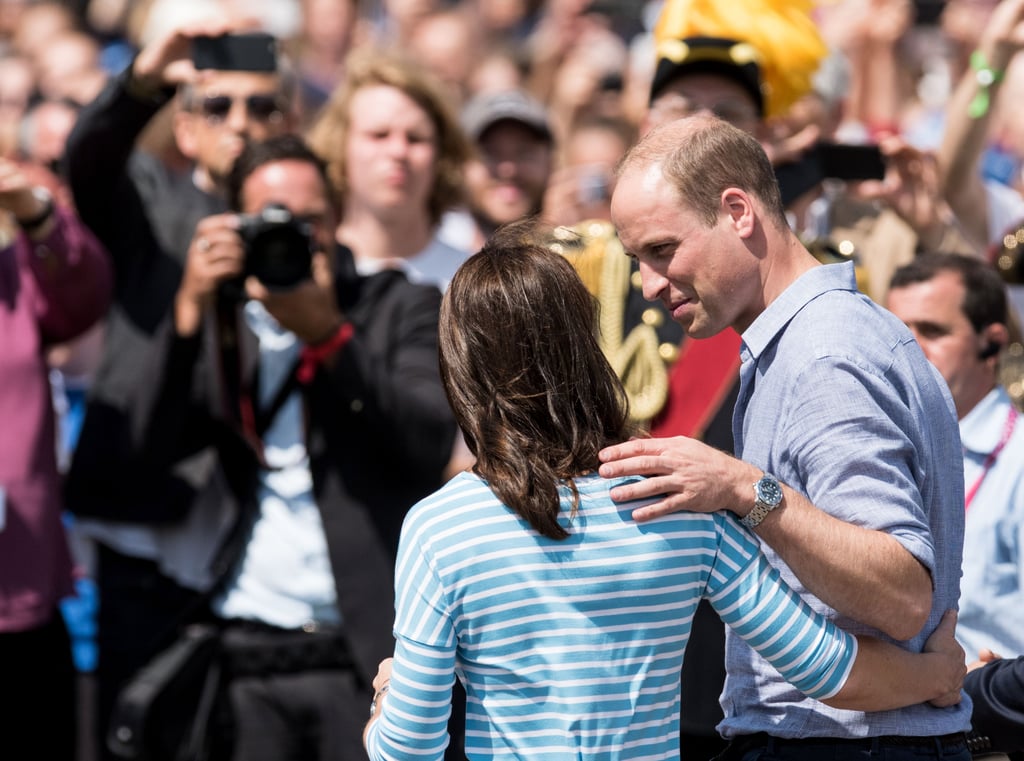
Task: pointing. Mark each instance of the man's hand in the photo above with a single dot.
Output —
(985, 656)
(911, 189)
(16, 194)
(381, 682)
(308, 310)
(943, 642)
(215, 255)
(167, 60)
(690, 474)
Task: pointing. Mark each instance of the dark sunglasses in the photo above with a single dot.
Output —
(260, 107)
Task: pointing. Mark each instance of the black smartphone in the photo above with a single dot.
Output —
(250, 51)
(851, 162)
(840, 161)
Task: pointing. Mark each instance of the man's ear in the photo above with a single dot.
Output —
(738, 206)
(995, 337)
(185, 126)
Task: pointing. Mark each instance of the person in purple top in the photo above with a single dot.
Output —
(55, 282)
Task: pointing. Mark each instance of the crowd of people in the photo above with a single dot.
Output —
(485, 347)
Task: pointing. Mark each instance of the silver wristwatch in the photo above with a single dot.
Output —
(767, 496)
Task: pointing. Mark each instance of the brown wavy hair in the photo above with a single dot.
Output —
(367, 67)
(533, 393)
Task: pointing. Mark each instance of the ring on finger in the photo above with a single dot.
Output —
(203, 245)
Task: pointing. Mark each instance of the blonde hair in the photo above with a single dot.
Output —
(367, 67)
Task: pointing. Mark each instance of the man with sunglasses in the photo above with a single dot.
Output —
(144, 208)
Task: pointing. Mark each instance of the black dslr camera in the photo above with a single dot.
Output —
(278, 247)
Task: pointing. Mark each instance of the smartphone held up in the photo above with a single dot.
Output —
(249, 51)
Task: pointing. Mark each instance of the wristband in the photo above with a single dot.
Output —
(313, 356)
(985, 76)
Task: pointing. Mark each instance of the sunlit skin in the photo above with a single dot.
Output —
(297, 186)
(215, 144)
(704, 93)
(933, 312)
(707, 278)
(391, 154)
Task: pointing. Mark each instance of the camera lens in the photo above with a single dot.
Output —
(279, 248)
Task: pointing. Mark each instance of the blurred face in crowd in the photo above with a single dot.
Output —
(392, 152)
(299, 187)
(506, 180)
(227, 110)
(51, 122)
(446, 44)
(933, 312)
(328, 25)
(593, 152)
(692, 94)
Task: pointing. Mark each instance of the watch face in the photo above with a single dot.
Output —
(769, 491)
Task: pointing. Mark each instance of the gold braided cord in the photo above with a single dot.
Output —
(604, 268)
(783, 32)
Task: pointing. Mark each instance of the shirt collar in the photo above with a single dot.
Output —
(803, 290)
(982, 427)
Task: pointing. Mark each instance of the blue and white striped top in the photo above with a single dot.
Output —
(572, 648)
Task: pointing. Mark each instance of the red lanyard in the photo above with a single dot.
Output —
(1011, 421)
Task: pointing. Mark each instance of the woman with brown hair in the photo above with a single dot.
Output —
(566, 620)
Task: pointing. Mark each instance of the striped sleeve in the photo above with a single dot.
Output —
(414, 718)
(807, 649)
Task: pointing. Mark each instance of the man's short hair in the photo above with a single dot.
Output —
(701, 156)
(985, 301)
(287, 147)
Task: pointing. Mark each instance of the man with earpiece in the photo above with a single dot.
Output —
(956, 307)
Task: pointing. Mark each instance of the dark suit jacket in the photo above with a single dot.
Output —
(997, 691)
(379, 434)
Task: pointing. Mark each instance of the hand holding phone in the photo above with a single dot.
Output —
(827, 160)
(843, 161)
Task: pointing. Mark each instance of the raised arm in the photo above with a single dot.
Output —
(969, 118)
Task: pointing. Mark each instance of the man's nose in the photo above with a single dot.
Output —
(652, 282)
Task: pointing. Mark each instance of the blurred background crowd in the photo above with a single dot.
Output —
(514, 108)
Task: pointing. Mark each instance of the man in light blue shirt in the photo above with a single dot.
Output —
(956, 307)
(837, 402)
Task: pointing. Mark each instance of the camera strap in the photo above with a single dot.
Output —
(253, 422)
(264, 417)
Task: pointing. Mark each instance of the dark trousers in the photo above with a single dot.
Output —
(288, 695)
(140, 614)
(38, 694)
(764, 748)
(297, 717)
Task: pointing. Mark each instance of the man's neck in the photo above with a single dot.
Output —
(966, 405)
(203, 180)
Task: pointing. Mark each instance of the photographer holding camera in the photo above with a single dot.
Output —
(144, 210)
(301, 407)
